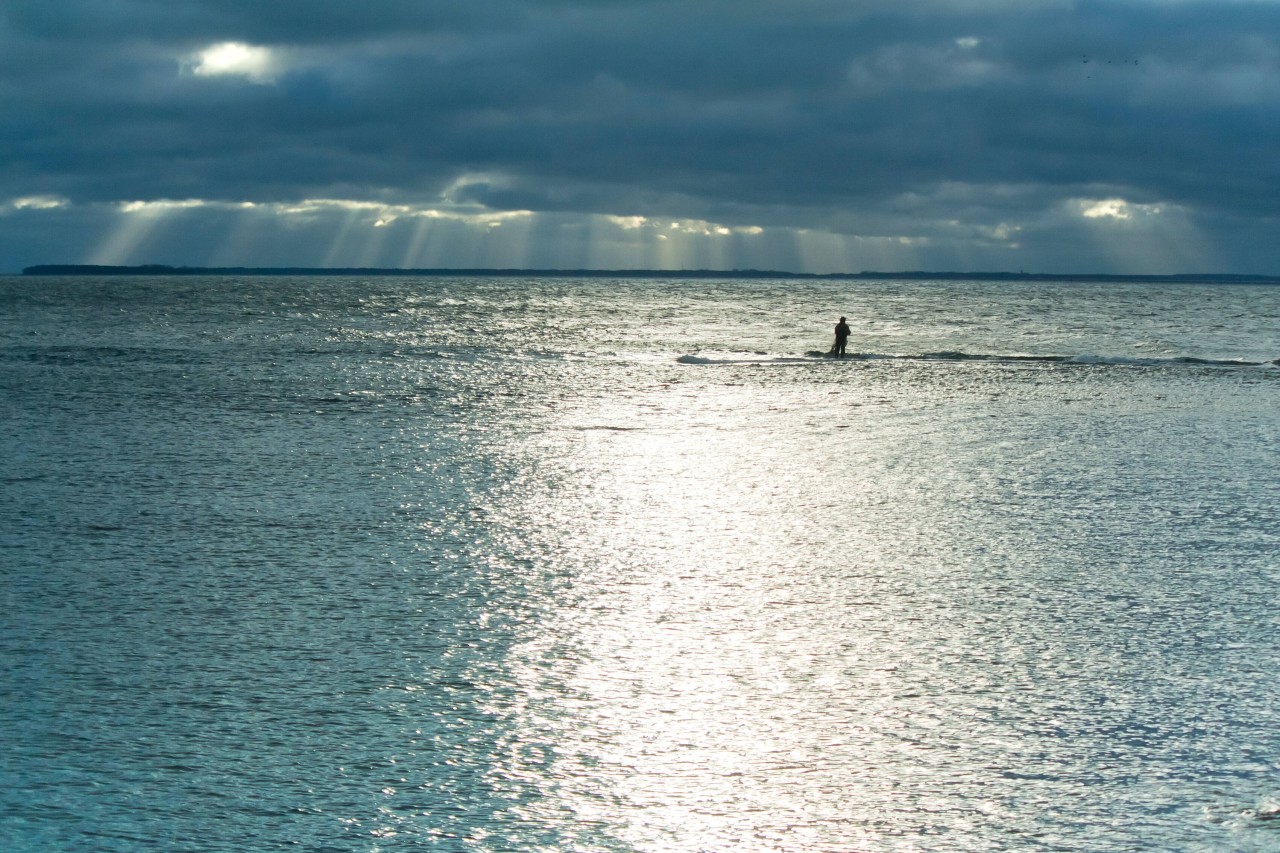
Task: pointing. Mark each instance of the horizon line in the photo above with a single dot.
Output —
(166, 269)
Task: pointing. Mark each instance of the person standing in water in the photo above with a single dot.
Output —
(842, 337)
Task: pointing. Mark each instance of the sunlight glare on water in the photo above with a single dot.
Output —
(824, 619)
(615, 566)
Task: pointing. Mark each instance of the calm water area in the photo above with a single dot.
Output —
(495, 564)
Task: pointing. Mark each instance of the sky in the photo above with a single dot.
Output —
(1047, 136)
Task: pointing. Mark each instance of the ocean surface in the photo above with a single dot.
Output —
(383, 564)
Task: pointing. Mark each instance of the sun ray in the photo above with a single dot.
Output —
(135, 223)
(339, 246)
(1142, 237)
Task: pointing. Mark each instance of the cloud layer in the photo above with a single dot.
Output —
(820, 136)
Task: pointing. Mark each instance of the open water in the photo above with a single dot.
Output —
(339, 564)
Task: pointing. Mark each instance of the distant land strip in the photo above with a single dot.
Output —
(910, 275)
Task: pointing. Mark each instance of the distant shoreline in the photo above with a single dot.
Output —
(912, 275)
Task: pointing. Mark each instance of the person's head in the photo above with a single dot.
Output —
(841, 319)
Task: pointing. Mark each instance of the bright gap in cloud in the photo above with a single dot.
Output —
(39, 202)
(1114, 208)
(236, 58)
(163, 205)
(685, 226)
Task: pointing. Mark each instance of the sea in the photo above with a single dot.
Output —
(343, 563)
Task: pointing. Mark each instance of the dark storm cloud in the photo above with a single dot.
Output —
(870, 119)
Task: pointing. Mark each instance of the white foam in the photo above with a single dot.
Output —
(700, 359)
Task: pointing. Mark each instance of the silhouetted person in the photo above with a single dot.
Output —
(842, 338)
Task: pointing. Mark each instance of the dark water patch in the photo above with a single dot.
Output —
(77, 355)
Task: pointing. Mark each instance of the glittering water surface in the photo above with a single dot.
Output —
(491, 565)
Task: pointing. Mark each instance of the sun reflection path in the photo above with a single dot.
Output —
(685, 694)
(855, 612)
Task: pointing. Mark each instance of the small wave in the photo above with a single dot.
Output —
(759, 359)
(1263, 816)
(27, 478)
(958, 356)
(1159, 362)
(852, 356)
(1118, 360)
(75, 355)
